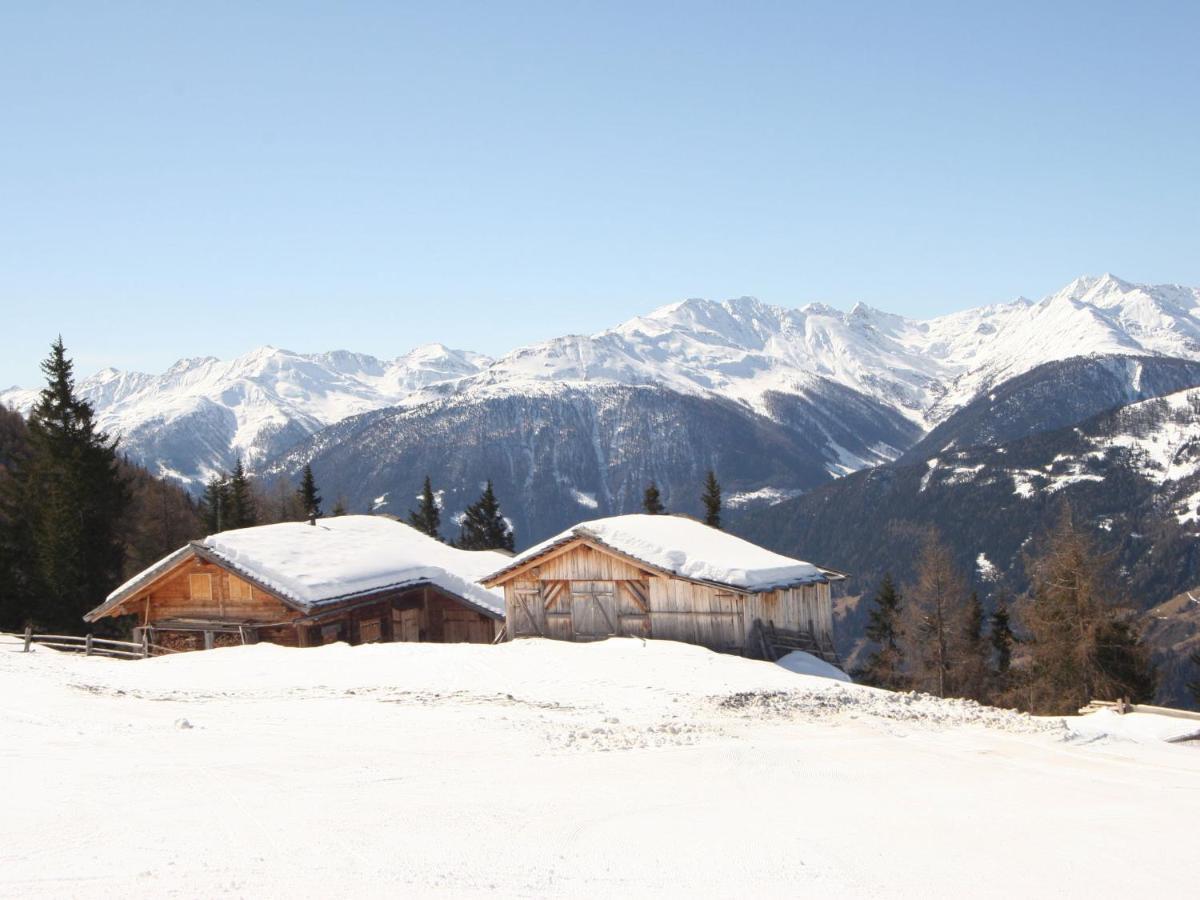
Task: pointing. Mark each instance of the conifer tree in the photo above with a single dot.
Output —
(72, 500)
(652, 501)
(427, 517)
(214, 505)
(712, 500)
(243, 510)
(1194, 686)
(1081, 647)
(973, 674)
(937, 603)
(885, 667)
(339, 506)
(310, 499)
(1002, 640)
(483, 527)
(16, 549)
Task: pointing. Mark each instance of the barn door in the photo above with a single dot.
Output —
(406, 625)
(593, 610)
(633, 608)
(525, 613)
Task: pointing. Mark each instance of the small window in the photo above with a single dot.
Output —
(200, 586)
(238, 589)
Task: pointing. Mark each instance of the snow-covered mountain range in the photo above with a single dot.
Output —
(196, 417)
(193, 419)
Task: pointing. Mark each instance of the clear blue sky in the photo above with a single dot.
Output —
(179, 179)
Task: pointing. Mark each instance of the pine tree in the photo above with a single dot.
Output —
(483, 527)
(427, 517)
(214, 504)
(937, 603)
(243, 509)
(652, 501)
(72, 498)
(1081, 647)
(712, 500)
(885, 667)
(339, 506)
(310, 500)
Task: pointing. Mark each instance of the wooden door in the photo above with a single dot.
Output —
(633, 609)
(593, 609)
(526, 613)
(406, 625)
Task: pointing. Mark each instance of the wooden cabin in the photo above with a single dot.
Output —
(668, 577)
(358, 579)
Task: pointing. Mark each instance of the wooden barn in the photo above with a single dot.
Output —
(668, 577)
(358, 579)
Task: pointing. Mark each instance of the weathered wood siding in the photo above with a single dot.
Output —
(209, 595)
(202, 590)
(806, 608)
(584, 593)
(697, 613)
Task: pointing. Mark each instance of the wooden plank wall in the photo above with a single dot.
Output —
(201, 590)
(796, 609)
(696, 613)
(546, 601)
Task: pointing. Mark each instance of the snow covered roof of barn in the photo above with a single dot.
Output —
(337, 559)
(686, 548)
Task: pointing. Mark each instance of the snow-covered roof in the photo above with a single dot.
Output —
(338, 559)
(687, 548)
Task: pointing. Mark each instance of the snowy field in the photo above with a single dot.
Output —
(624, 768)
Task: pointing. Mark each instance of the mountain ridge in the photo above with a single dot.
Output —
(193, 419)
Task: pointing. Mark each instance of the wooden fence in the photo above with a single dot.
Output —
(1124, 706)
(89, 645)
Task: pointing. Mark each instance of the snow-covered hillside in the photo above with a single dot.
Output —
(195, 417)
(637, 769)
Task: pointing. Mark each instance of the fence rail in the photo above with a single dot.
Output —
(1123, 706)
(89, 645)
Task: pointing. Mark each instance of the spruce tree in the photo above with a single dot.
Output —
(243, 509)
(652, 501)
(1002, 640)
(483, 527)
(310, 499)
(973, 674)
(1194, 686)
(885, 667)
(16, 549)
(214, 505)
(73, 498)
(712, 500)
(339, 506)
(427, 517)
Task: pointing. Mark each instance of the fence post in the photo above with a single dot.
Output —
(87, 647)
(28, 637)
(145, 643)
